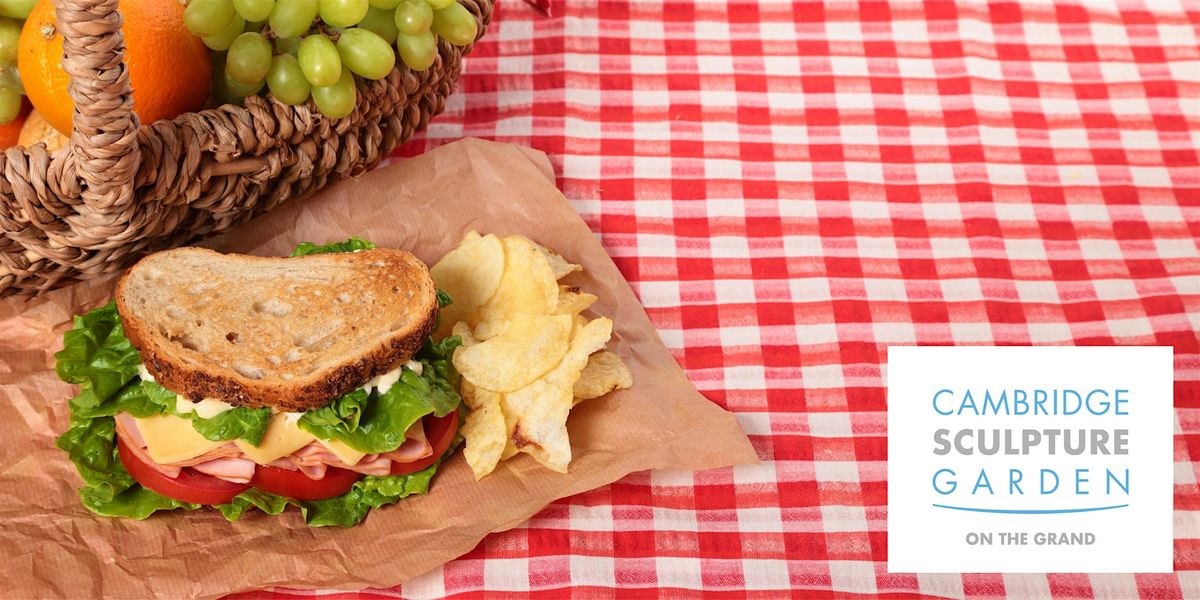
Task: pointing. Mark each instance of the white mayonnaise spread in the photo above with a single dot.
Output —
(205, 409)
(383, 383)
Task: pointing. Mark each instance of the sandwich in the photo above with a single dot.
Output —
(242, 382)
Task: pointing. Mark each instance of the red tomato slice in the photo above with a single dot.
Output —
(297, 485)
(190, 486)
(440, 432)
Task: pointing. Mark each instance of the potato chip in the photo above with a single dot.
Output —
(604, 373)
(510, 423)
(487, 330)
(541, 408)
(526, 287)
(484, 429)
(463, 331)
(561, 266)
(471, 274)
(572, 301)
(528, 348)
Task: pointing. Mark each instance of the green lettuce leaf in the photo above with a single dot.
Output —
(241, 422)
(91, 444)
(136, 502)
(264, 501)
(350, 245)
(346, 410)
(439, 372)
(384, 419)
(97, 356)
(138, 398)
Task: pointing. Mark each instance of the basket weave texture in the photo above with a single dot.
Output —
(121, 189)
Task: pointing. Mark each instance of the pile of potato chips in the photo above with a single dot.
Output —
(528, 354)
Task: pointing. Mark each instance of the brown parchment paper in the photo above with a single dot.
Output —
(50, 546)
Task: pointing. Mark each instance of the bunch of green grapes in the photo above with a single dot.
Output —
(302, 48)
(12, 17)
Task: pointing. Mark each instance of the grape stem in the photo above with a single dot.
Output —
(333, 34)
(317, 25)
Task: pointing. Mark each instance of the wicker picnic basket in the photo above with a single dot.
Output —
(121, 189)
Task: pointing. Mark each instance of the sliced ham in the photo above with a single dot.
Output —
(415, 447)
(316, 471)
(283, 463)
(417, 432)
(237, 470)
(229, 450)
(314, 452)
(378, 466)
(409, 451)
(317, 454)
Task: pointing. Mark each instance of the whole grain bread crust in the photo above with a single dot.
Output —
(196, 382)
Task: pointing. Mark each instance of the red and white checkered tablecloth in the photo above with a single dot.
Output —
(792, 187)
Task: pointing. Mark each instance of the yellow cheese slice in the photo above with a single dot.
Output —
(171, 439)
(344, 453)
(282, 438)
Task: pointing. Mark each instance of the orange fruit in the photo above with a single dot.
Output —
(169, 68)
(10, 132)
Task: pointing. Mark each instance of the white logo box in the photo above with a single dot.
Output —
(941, 516)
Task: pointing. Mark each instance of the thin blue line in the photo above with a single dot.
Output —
(1052, 511)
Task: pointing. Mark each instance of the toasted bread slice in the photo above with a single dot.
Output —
(288, 333)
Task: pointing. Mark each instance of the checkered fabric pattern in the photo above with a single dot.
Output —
(793, 187)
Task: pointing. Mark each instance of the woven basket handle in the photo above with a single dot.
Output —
(104, 141)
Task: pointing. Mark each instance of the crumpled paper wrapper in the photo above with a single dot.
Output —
(54, 547)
